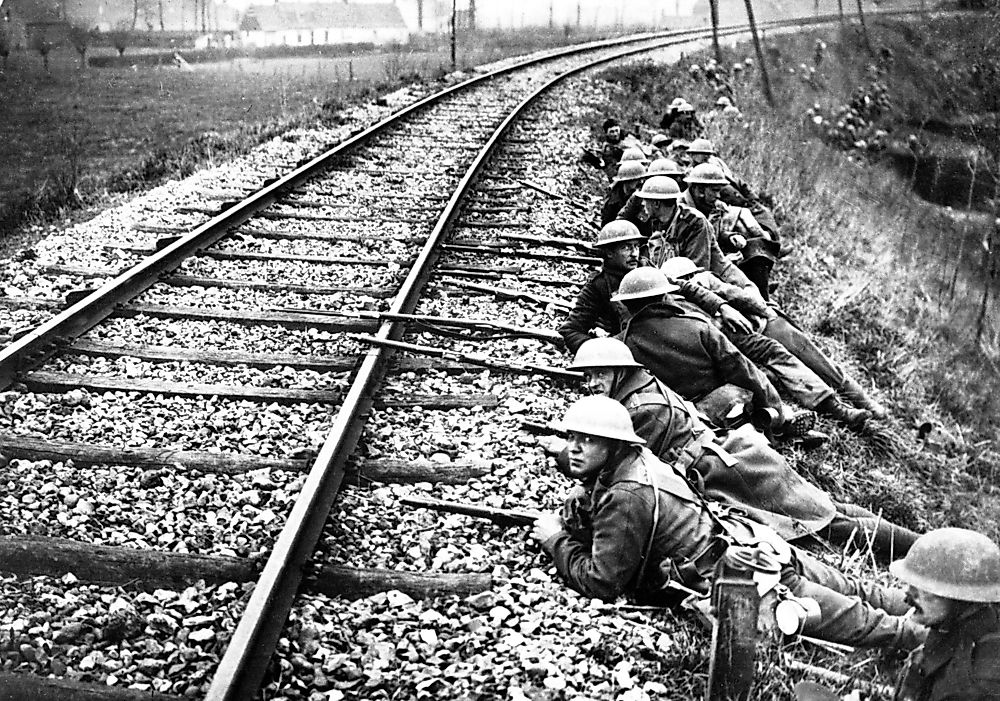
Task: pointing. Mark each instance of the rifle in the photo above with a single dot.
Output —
(471, 358)
(481, 324)
(507, 293)
(556, 196)
(501, 517)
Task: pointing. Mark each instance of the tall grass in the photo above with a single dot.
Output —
(889, 284)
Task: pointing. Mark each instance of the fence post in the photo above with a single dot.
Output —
(765, 78)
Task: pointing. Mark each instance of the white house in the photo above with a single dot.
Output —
(320, 23)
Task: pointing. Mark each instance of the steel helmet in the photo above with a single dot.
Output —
(702, 146)
(603, 353)
(679, 267)
(642, 283)
(602, 416)
(630, 170)
(683, 106)
(664, 166)
(632, 153)
(677, 102)
(724, 101)
(706, 174)
(617, 231)
(659, 139)
(954, 563)
(659, 187)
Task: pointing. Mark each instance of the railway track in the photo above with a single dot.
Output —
(213, 325)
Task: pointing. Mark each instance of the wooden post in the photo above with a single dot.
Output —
(840, 11)
(454, 12)
(765, 78)
(714, 7)
(734, 633)
(864, 28)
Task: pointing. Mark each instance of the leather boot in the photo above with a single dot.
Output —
(856, 395)
(853, 418)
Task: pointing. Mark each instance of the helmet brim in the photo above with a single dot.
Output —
(659, 195)
(628, 296)
(612, 242)
(977, 593)
(633, 178)
(562, 427)
(705, 181)
(589, 366)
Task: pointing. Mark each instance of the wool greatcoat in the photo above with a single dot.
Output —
(685, 351)
(594, 309)
(738, 468)
(961, 663)
(610, 524)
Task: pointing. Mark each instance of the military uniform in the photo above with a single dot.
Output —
(775, 324)
(961, 663)
(685, 351)
(594, 309)
(689, 234)
(739, 468)
(610, 525)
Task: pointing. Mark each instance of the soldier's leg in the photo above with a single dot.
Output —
(793, 376)
(861, 527)
(758, 271)
(892, 600)
(850, 610)
(801, 346)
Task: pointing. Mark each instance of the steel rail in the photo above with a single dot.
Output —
(44, 340)
(242, 668)
(40, 343)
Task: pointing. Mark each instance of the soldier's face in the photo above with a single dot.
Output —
(698, 158)
(624, 255)
(614, 134)
(931, 610)
(599, 380)
(587, 454)
(705, 195)
(660, 210)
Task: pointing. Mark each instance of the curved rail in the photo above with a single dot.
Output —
(246, 658)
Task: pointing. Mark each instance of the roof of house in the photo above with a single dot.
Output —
(321, 15)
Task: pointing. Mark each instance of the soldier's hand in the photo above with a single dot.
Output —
(598, 332)
(551, 444)
(734, 321)
(738, 241)
(546, 526)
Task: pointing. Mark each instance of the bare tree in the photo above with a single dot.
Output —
(713, 6)
(765, 78)
(135, 14)
(4, 45)
(80, 39)
(160, 8)
(120, 38)
(40, 43)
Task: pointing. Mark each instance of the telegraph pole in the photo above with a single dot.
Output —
(714, 7)
(765, 78)
(454, 13)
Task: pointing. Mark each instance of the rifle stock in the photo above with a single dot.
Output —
(501, 517)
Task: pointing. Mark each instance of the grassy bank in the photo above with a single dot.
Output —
(887, 282)
(71, 133)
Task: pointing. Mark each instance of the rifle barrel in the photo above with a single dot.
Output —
(494, 514)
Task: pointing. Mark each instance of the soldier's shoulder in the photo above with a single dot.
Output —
(689, 213)
(985, 663)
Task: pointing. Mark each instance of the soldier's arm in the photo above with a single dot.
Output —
(702, 297)
(735, 368)
(622, 523)
(585, 315)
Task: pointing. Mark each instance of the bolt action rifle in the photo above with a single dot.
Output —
(471, 358)
(502, 517)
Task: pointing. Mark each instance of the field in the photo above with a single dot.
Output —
(79, 131)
